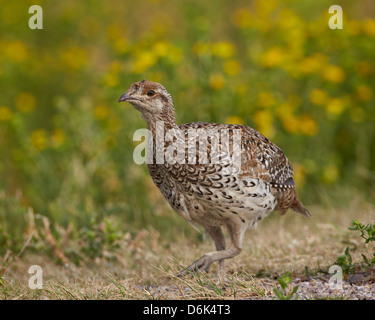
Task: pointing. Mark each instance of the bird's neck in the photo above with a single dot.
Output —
(160, 126)
(167, 120)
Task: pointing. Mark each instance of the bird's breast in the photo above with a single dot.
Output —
(202, 193)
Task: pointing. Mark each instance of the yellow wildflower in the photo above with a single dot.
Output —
(336, 106)
(285, 112)
(74, 58)
(232, 67)
(273, 57)
(15, 51)
(223, 49)
(201, 48)
(308, 126)
(369, 27)
(25, 102)
(112, 78)
(290, 123)
(263, 120)
(285, 109)
(144, 61)
(364, 93)
(265, 8)
(318, 97)
(161, 48)
(289, 20)
(353, 27)
(299, 174)
(5, 113)
(39, 139)
(217, 81)
(313, 63)
(235, 120)
(333, 74)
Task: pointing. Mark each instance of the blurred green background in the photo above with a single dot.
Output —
(66, 147)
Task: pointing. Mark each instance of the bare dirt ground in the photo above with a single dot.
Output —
(147, 266)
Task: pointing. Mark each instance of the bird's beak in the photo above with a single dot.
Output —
(127, 97)
(124, 97)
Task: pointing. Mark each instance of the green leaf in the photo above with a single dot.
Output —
(279, 294)
(294, 290)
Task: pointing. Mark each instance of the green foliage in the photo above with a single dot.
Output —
(286, 292)
(345, 261)
(101, 238)
(66, 144)
(368, 234)
(367, 231)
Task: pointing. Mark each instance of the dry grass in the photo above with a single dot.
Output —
(146, 268)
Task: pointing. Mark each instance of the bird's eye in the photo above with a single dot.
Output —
(150, 93)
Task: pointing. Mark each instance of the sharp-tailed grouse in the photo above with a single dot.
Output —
(213, 175)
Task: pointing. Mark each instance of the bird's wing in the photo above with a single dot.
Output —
(260, 158)
(263, 158)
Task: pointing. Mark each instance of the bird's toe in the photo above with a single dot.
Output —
(202, 264)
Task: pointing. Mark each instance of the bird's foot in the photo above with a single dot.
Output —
(202, 264)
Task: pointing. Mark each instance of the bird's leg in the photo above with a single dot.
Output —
(237, 231)
(218, 237)
(204, 263)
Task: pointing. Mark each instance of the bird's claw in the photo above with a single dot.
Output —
(202, 264)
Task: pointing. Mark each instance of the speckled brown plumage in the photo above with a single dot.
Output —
(215, 194)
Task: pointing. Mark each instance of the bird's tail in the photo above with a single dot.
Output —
(298, 207)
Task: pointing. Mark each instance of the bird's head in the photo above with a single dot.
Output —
(150, 98)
